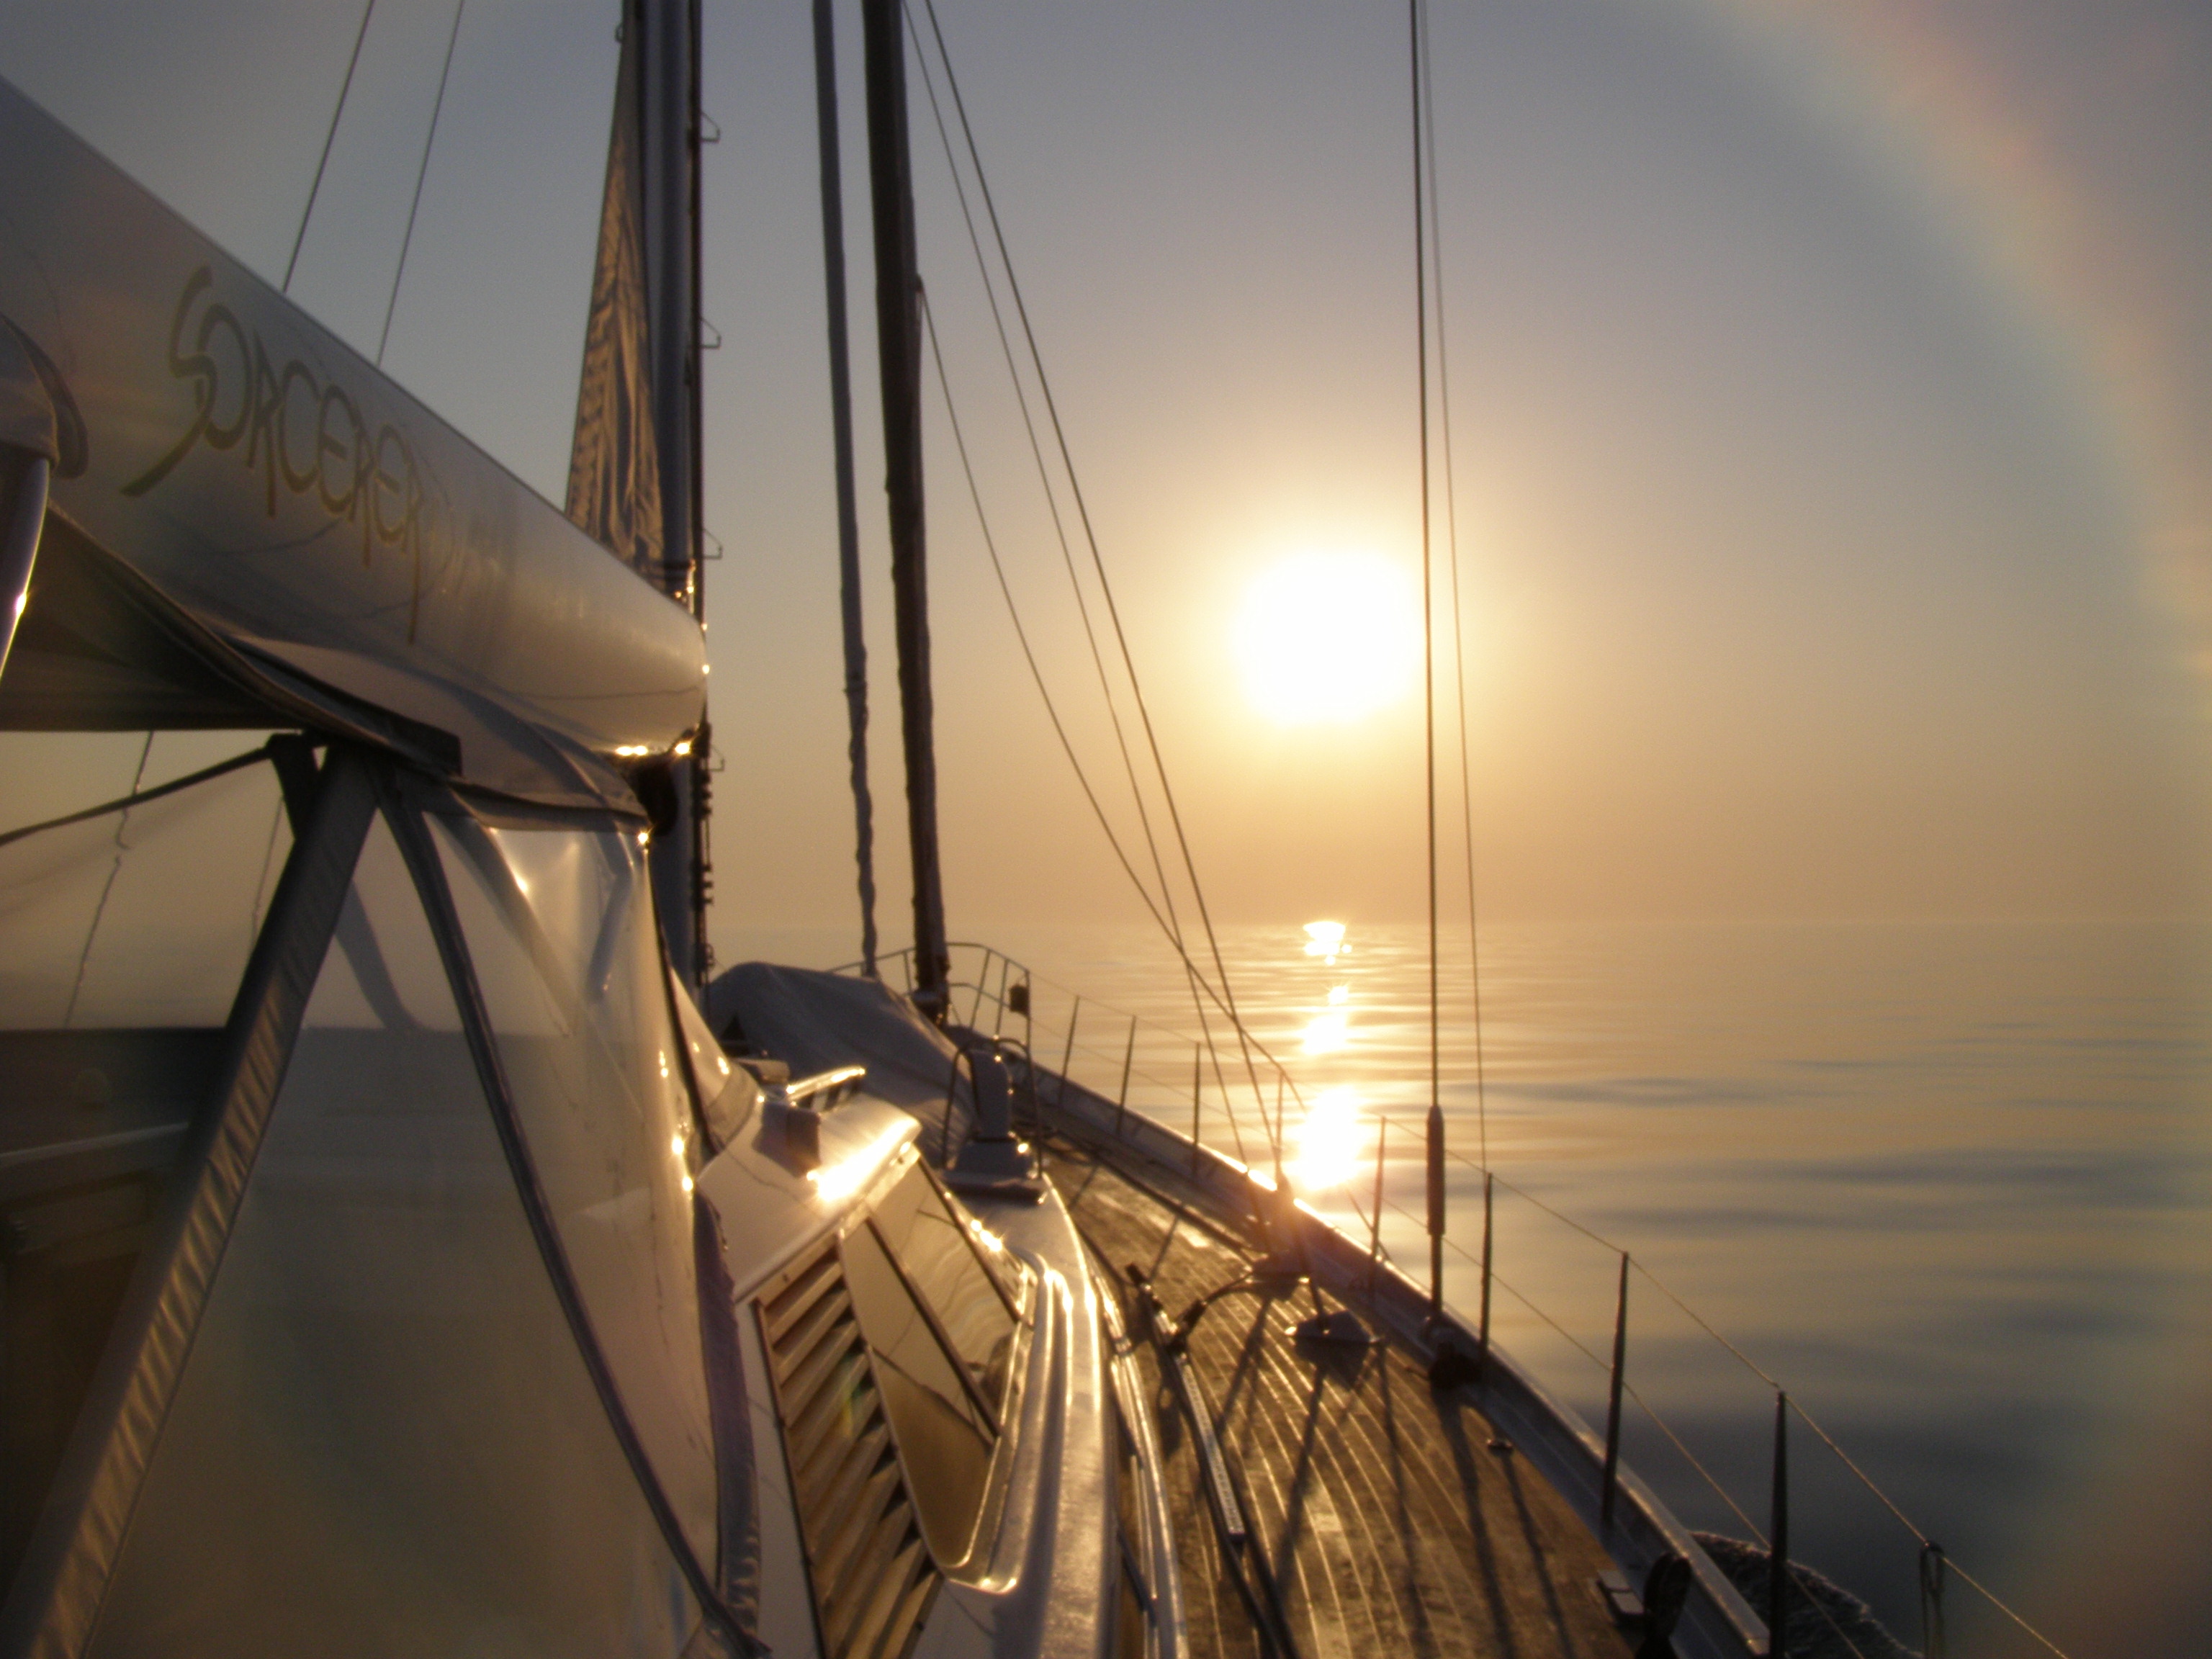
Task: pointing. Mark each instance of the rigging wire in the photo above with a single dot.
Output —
(1021, 632)
(329, 138)
(430, 140)
(1029, 654)
(1226, 994)
(1435, 1123)
(1036, 452)
(140, 797)
(1425, 140)
(1424, 211)
(1174, 921)
(1459, 641)
(107, 890)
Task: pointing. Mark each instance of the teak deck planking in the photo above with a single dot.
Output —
(1387, 1520)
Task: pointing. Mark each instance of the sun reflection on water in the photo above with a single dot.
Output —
(1326, 1033)
(1330, 1140)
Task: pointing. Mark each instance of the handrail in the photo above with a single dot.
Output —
(991, 953)
(822, 1091)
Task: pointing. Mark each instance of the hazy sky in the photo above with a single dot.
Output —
(1831, 403)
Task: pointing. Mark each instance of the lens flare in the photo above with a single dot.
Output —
(836, 1182)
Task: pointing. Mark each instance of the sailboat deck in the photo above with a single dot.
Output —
(1383, 1515)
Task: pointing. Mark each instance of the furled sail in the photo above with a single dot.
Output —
(614, 468)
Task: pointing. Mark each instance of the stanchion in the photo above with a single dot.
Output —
(1375, 1215)
(1613, 1408)
(999, 1002)
(1436, 1128)
(1121, 1100)
(1932, 1643)
(1489, 1183)
(1777, 1536)
(1197, 1078)
(1280, 1186)
(1067, 1054)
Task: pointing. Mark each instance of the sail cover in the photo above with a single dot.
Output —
(262, 500)
(614, 469)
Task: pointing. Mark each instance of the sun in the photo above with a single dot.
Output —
(1327, 638)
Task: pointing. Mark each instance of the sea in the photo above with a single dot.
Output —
(1948, 1185)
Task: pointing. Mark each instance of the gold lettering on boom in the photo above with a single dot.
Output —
(300, 433)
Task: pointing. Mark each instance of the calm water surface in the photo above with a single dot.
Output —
(1948, 1183)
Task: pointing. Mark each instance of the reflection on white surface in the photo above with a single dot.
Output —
(835, 1182)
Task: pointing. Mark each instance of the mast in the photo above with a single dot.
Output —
(668, 54)
(849, 516)
(898, 335)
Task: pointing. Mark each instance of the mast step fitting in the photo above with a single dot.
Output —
(996, 1168)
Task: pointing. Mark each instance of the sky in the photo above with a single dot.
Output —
(1829, 391)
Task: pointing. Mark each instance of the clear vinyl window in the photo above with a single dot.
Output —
(123, 938)
(560, 930)
(385, 1440)
(141, 917)
(728, 1095)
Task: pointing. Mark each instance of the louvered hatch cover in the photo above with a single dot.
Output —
(872, 1576)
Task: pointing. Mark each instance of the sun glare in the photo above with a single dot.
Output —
(1328, 1032)
(1325, 939)
(1328, 1141)
(1327, 638)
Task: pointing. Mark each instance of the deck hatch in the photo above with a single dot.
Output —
(871, 1575)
